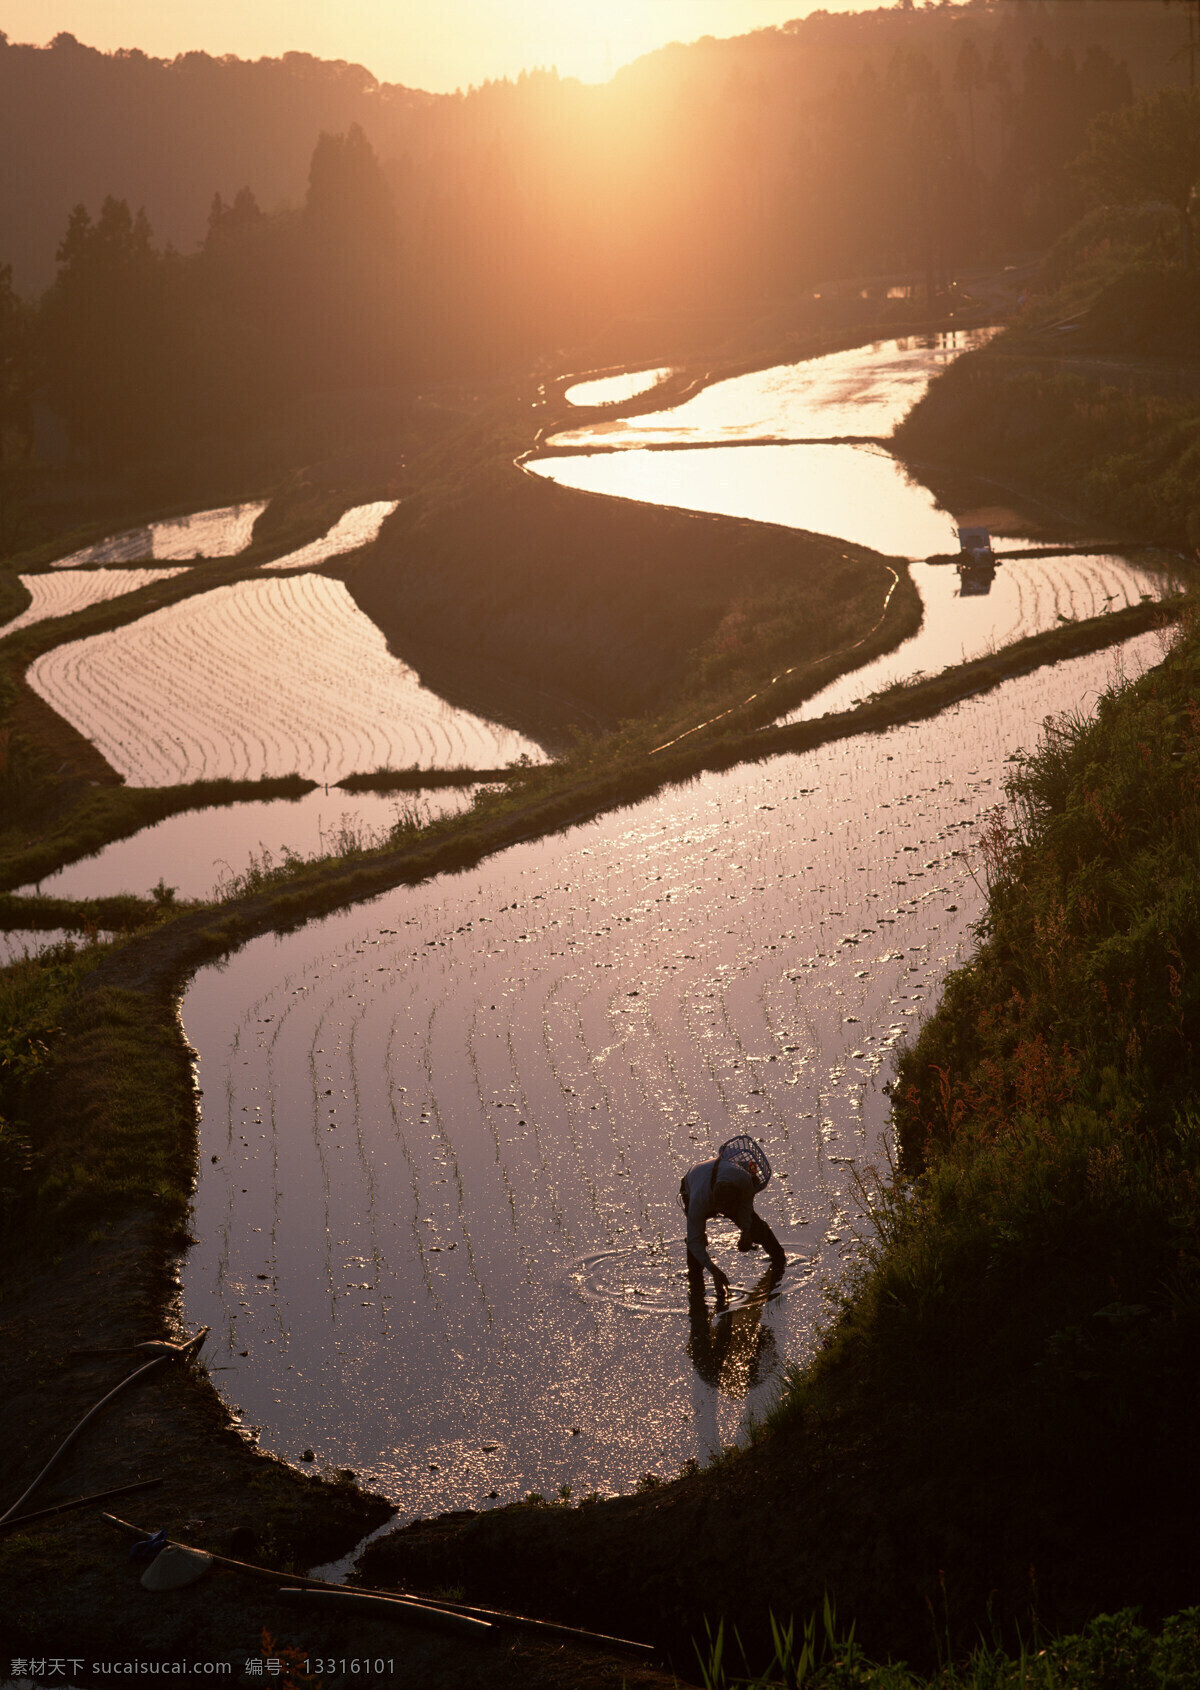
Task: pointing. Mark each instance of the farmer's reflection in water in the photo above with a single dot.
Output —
(731, 1349)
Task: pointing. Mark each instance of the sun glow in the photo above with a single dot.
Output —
(422, 44)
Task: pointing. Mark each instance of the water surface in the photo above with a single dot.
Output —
(212, 533)
(1028, 596)
(611, 390)
(354, 528)
(440, 1241)
(275, 676)
(859, 493)
(865, 390)
(198, 851)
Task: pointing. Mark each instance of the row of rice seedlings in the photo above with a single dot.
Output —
(265, 677)
(74, 589)
(1027, 597)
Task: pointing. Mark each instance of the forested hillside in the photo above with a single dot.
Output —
(226, 244)
(1002, 89)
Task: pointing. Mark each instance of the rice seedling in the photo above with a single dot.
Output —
(265, 677)
(74, 589)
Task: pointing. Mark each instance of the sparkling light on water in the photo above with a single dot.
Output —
(450, 1125)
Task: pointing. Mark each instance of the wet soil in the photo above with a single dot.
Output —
(67, 1337)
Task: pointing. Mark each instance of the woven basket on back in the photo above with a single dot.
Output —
(749, 1154)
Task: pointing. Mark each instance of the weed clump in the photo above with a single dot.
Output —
(1028, 1302)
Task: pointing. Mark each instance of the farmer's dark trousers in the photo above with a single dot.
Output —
(760, 1233)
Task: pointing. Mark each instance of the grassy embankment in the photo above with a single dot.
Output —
(535, 604)
(102, 1144)
(1093, 399)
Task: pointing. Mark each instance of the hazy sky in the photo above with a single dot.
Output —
(433, 44)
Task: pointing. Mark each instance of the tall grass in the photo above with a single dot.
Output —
(1113, 1652)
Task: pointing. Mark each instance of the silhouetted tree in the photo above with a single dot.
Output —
(116, 353)
(351, 241)
(1149, 150)
(16, 371)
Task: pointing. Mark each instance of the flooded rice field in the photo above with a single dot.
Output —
(265, 677)
(1027, 596)
(612, 390)
(863, 391)
(860, 493)
(200, 851)
(214, 533)
(354, 528)
(461, 1112)
(76, 589)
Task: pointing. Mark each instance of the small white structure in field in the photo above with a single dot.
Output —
(976, 563)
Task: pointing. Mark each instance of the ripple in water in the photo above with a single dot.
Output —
(450, 1124)
(651, 1279)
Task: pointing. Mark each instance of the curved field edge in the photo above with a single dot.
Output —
(521, 667)
(98, 1161)
(998, 1434)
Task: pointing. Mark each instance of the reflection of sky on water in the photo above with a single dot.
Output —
(194, 851)
(865, 390)
(75, 589)
(448, 1105)
(275, 676)
(859, 493)
(354, 528)
(215, 533)
(611, 390)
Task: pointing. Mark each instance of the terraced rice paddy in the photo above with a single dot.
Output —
(212, 533)
(265, 677)
(442, 1133)
(354, 528)
(202, 851)
(858, 492)
(611, 390)
(75, 589)
(1027, 596)
(864, 391)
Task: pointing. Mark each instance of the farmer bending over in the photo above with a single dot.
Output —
(727, 1186)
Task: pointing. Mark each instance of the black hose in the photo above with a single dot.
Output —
(131, 1378)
